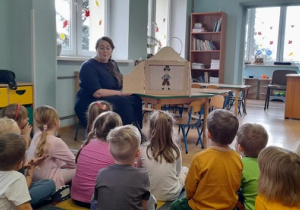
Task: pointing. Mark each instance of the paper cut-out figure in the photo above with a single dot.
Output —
(166, 78)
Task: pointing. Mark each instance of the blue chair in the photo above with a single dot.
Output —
(195, 112)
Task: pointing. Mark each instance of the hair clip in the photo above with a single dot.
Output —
(17, 111)
(98, 104)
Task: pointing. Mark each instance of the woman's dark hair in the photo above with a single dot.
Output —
(111, 65)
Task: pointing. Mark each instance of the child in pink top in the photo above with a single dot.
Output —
(93, 156)
(60, 164)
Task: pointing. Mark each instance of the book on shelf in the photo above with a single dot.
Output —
(217, 27)
(215, 64)
(198, 66)
(203, 45)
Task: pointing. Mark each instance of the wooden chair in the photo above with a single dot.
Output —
(216, 102)
(279, 81)
(195, 85)
(212, 86)
(195, 112)
(77, 128)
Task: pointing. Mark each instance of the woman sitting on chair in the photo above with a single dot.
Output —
(100, 79)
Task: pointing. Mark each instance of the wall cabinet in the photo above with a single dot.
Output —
(252, 92)
(207, 44)
(292, 105)
(263, 86)
(23, 95)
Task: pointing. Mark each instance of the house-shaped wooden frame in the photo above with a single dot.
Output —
(166, 73)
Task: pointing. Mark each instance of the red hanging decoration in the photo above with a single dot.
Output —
(100, 22)
(87, 13)
(290, 42)
(259, 33)
(271, 42)
(156, 29)
(65, 23)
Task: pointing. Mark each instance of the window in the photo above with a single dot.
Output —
(273, 33)
(158, 29)
(79, 24)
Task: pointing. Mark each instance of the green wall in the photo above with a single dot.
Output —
(5, 35)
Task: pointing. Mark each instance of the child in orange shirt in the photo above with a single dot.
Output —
(214, 176)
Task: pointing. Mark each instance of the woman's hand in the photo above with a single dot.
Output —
(125, 94)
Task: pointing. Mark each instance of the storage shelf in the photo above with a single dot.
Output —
(206, 33)
(216, 40)
(205, 69)
(205, 51)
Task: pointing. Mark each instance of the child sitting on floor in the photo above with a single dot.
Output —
(278, 183)
(19, 113)
(122, 186)
(40, 191)
(94, 110)
(251, 139)
(14, 192)
(215, 173)
(60, 165)
(93, 156)
(161, 156)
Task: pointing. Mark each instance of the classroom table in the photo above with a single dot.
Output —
(157, 101)
(210, 91)
(233, 88)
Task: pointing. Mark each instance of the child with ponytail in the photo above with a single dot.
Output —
(60, 164)
(93, 156)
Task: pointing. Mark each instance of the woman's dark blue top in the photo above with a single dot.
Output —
(95, 75)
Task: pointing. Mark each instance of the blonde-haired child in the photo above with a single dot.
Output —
(278, 184)
(14, 192)
(161, 156)
(8, 125)
(122, 186)
(41, 190)
(19, 113)
(94, 109)
(93, 156)
(60, 165)
(250, 140)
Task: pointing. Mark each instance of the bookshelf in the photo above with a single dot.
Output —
(207, 44)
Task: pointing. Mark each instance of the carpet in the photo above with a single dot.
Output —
(167, 205)
(69, 204)
(49, 207)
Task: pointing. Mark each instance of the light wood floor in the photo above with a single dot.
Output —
(282, 133)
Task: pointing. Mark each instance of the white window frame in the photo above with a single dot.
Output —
(281, 34)
(75, 29)
(151, 22)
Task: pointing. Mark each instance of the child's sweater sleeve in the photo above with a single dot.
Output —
(62, 152)
(192, 179)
